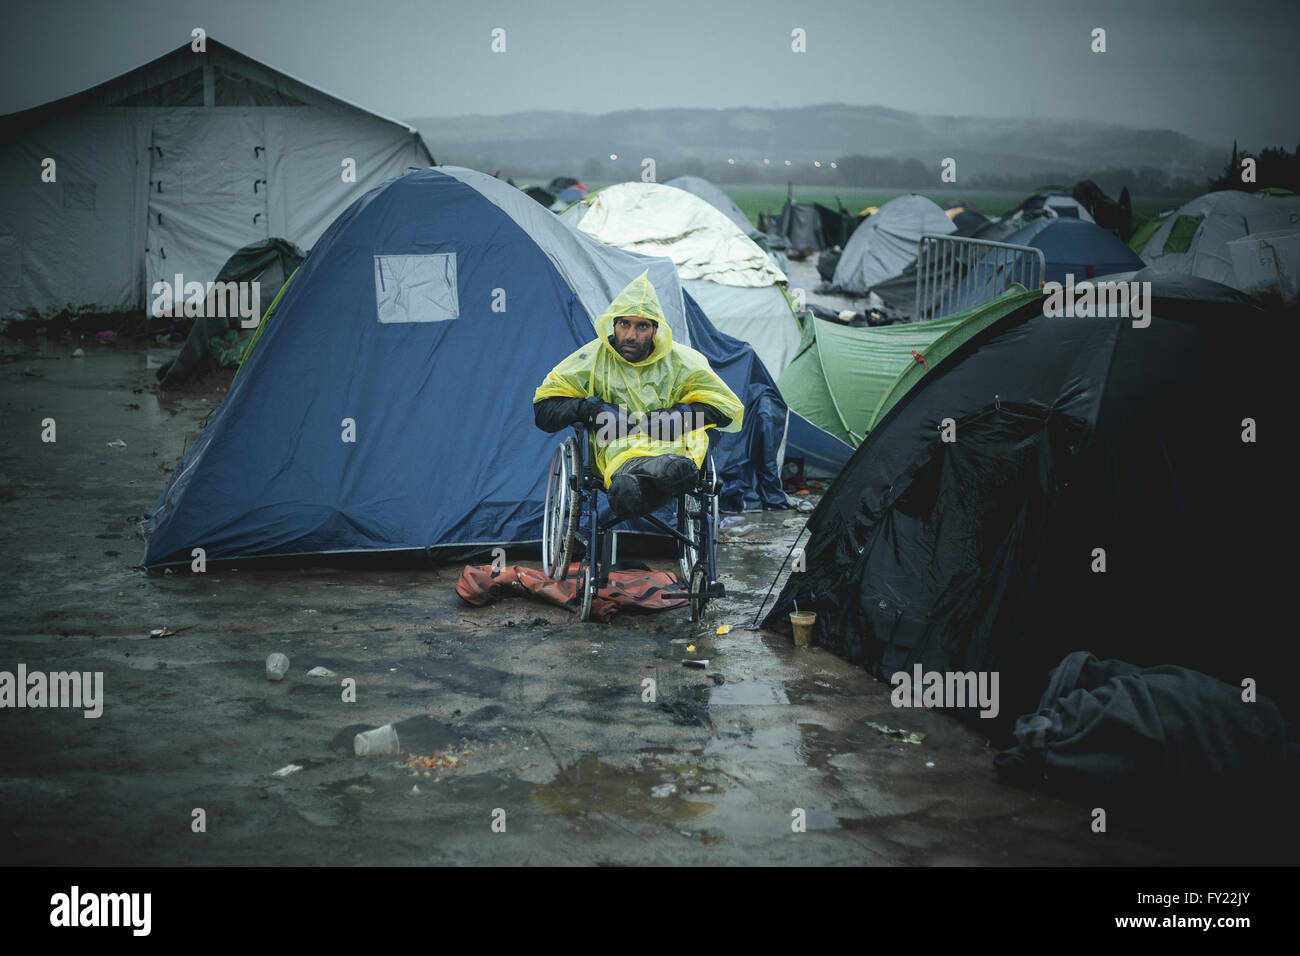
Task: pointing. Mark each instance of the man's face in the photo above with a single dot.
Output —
(634, 337)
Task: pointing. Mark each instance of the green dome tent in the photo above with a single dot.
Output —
(844, 379)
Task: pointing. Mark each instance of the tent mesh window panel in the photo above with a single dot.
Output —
(231, 89)
(1180, 236)
(1144, 233)
(184, 90)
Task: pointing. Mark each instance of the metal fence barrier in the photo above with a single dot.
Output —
(955, 272)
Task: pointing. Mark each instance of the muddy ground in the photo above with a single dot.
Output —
(544, 715)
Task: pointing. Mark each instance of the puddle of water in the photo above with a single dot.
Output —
(654, 791)
(751, 693)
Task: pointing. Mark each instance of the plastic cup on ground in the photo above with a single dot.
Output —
(802, 622)
(277, 665)
(380, 741)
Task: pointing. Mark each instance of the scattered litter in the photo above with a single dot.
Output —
(285, 771)
(118, 443)
(733, 520)
(794, 522)
(79, 353)
(277, 665)
(698, 665)
(680, 640)
(906, 736)
(438, 760)
(724, 629)
(816, 484)
(740, 531)
(690, 648)
(929, 763)
(382, 740)
(320, 672)
(415, 788)
(168, 631)
(663, 790)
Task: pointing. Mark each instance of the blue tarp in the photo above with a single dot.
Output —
(746, 460)
(388, 402)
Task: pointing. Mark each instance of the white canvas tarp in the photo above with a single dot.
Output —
(734, 281)
(171, 168)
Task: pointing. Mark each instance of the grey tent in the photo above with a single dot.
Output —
(899, 293)
(887, 241)
(1197, 239)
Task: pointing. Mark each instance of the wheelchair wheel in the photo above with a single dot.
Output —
(699, 584)
(585, 590)
(560, 519)
(687, 506)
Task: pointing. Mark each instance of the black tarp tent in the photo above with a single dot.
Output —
(1071, 435)
(810, 225)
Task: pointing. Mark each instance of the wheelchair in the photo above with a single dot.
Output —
(573, 491)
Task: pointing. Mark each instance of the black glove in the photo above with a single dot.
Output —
(591, 409)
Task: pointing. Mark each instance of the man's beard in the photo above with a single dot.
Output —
(631, 352)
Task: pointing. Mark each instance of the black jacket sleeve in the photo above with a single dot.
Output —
(711, 415)
(554, 413)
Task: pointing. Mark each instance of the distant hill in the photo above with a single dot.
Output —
(546, 141)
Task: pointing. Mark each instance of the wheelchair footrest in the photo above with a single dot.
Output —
(715, 590)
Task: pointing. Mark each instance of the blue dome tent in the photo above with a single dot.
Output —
(387, 403)
(1070, 246)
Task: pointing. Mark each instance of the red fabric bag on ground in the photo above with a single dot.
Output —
(479, 585)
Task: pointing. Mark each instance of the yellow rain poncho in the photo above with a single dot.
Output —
(669, 375)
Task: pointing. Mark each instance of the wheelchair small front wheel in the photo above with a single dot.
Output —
(699, 585)
(586, 590)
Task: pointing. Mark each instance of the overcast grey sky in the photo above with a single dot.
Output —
(1208, 68)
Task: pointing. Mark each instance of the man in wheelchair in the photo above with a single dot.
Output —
(647, 402)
